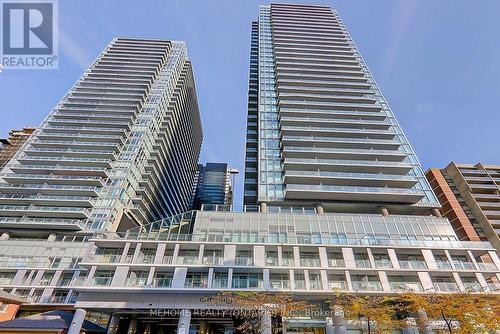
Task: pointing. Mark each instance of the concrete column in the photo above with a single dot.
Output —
(323, 257)
(348, 280)
(306, 280)
(339, 321)
(481, 280)
(77, 321)
(136, 252)
(175, 253)
(280, 256)
(494, 257)
(125, 252)
(292, 278)
(324, 279)
(132, 327)
(5, 236)
(179, 277)
(319, 209)
(266, 324)
(263, 207)
(348, 256)
(151, 276)
(296, 256)
(52, 237)
(90, 276)
(436, 213)
(210, 277)
(259, 256)
(229, 255)
(393, 257)
(184, 322)
(266, 279)
(384, 281)
(383, 211)
(201, 252)
(120, 276)
(160, 252)
(429, 259)
(370, 257)
(113, 324)
(458, 280)
(19, 277)
(230, 278)
(473, 259)
(426, 280)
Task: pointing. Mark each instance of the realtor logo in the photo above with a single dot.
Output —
(29, 34)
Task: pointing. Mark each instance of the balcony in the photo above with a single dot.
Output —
(102, 281)
(107, 258)
(444, 265)
(406, 286)
(337, 285)
(280, 285)
(464, 265)
(366, 286)
(336, 263)
(445, 286)
(187, 260)
(243, 261)
(487, 266)
(383, 264)
(360, 263)
(219, 283)
(328, 192)
(412, 264)
(310, 262)
(214, 261)
(163, 282)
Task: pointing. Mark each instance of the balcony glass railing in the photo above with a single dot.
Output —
(405, 286)
(412, 264)
(443, 265)
(487, 266)
(337, 263)
(219, 283)
(337, 285)
(363, 264)
(472, 286)
(464, 266)
(187, 259)
(383, 264)
(271, 261)
(300, 285)
(215, 261)
(162, 282)
(243, 261)
(280, 285)
(287, 262)
(445, 286)
(102, 281)
(310, 262)
(366, 286)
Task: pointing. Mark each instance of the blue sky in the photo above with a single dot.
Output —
(437, 62)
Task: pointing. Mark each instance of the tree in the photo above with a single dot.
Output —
(251, 306)
(377, 313)
(461, 312)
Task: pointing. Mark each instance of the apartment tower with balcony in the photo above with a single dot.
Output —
(470, 199)
(214, 185)
(120, 149)
(319, 131)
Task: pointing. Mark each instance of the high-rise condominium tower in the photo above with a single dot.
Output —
(320, 133)
(470, 199)
(120, 149)
(214, 185)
